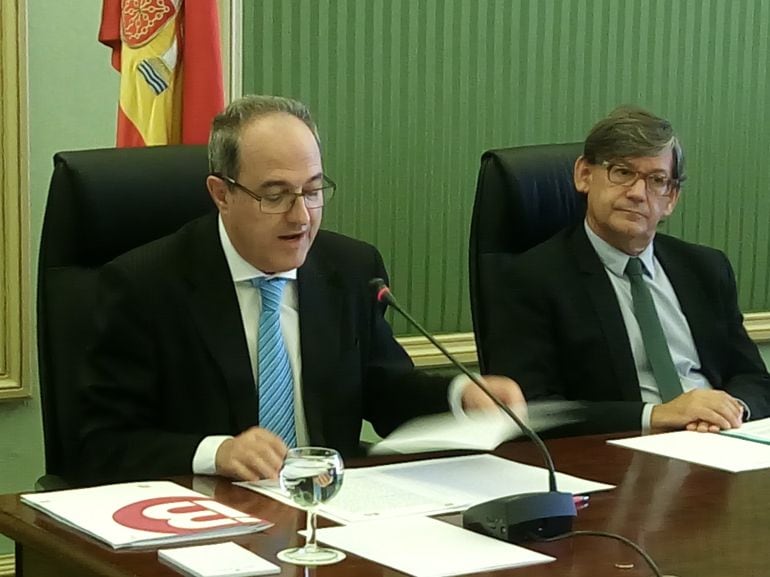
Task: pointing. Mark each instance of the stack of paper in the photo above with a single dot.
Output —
(144, 514)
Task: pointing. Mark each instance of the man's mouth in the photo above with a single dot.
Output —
(295, 236)
(633, 212)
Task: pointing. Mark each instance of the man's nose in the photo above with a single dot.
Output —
(638, 190)
(298, 212)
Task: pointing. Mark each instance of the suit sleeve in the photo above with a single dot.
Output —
(521, 341)
(744, 373)
(525, 342)
(121, 435)
(394, 391)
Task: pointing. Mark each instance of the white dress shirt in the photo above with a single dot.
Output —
(678, 335)
(250, 303)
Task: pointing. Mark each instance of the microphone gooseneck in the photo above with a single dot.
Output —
(519, 517)
(383, 294)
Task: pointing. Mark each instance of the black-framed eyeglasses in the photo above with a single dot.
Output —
(282, 201)
(658, 183)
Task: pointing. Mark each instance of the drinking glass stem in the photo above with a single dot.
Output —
(310, 544)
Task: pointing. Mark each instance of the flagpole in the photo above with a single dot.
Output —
(235, 68)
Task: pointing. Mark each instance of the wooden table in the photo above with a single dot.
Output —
(694, 521)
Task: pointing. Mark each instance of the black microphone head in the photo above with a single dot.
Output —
(381, 290)
(377, 284)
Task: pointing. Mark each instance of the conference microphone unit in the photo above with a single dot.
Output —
(515, 518)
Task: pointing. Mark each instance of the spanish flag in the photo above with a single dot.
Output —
(169, 58)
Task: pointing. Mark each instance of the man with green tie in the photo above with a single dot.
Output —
(643, 326)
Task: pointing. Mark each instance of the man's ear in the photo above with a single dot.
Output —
(582, 174)
(218, 191)
(672, 199)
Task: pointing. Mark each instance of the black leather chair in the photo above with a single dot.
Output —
(101, 203)
(524, 195)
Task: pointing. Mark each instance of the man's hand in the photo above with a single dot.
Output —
(254, 454)
(698, 410)
(503, 388)
(703, 427)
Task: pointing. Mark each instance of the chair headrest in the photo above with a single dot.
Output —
(104, 202)
(525, 195)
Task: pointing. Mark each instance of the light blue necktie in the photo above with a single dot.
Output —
(276, 388)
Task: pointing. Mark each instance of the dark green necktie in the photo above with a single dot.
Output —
(653, 337)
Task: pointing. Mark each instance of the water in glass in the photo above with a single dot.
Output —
(311, 476)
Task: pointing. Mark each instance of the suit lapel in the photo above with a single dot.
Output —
(214, 308)
(320, 309)
(692, 299)
(605, 304)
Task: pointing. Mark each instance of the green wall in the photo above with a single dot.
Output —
(72, 104)
(408, 93)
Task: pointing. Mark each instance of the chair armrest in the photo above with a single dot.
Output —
(51, 483)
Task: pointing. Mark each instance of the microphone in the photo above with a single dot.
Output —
(515, 518)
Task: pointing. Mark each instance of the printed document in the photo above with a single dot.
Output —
(431, 487)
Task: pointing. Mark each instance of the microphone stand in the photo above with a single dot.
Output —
(515, 518)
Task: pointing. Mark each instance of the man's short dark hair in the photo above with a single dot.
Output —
(224, 141)
(631, 132)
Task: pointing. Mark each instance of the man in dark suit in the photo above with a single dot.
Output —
(249, 330)
(643, 326)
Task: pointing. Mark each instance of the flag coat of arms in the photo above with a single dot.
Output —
(169, 58)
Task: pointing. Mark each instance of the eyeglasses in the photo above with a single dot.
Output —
(658, 183)
(283, 201)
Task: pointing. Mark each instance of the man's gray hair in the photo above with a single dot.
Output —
(224, 141)
(631, 132)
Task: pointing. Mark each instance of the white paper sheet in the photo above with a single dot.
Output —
(218, 560)
(432, 487)
(709, 449)
(481, 430)
(446, 432)
(426, 547)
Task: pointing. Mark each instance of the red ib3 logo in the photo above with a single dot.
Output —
(179, 515)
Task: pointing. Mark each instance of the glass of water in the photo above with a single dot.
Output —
(311, 476)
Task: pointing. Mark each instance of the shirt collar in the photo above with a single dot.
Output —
(239, 268)
(616, 260)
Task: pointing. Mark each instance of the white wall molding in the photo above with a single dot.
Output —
(425, 355)
(463, 345)
(15, 295)
(7, 565)
(758, 326)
